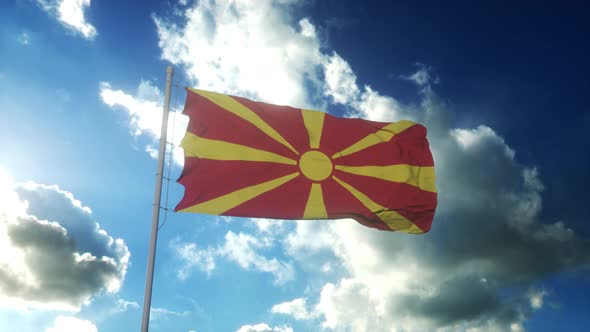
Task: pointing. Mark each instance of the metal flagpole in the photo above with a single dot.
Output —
(149, 278)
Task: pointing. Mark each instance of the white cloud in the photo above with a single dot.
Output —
(263, 327)
(340, 80)
(296, 308)
(422, 77)
(536, 299)
(373, 106)
(145, 115)
(123, 305)
(71, 324)
(225, 219)
(244, 48)
(235, 47)
(268, 226)
(143, 108)
(487, 235)
(473, 138)
(516, 327)
(163, 314)
(298, 241)
(70, 13)
(24, 38)
(242, 249)
(191, 257)
(349, 304)
(53, 255)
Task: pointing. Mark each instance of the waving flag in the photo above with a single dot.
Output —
(252, 159)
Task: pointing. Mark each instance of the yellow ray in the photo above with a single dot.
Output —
(382, 135)
(233, 106)
(314, 122)
(195, 146)
(229, 201)
(315, 208)
(394, 220)
(417, 176)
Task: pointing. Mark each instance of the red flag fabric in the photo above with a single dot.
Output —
(251, 159)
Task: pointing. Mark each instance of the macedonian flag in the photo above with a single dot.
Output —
(252, 159)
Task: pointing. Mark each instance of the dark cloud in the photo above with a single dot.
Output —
(480, 265)
(65, 258)
(51, 203)
(452, 303)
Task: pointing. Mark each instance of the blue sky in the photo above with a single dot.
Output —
(501, 87)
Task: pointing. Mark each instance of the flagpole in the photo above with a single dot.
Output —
(149, 278)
